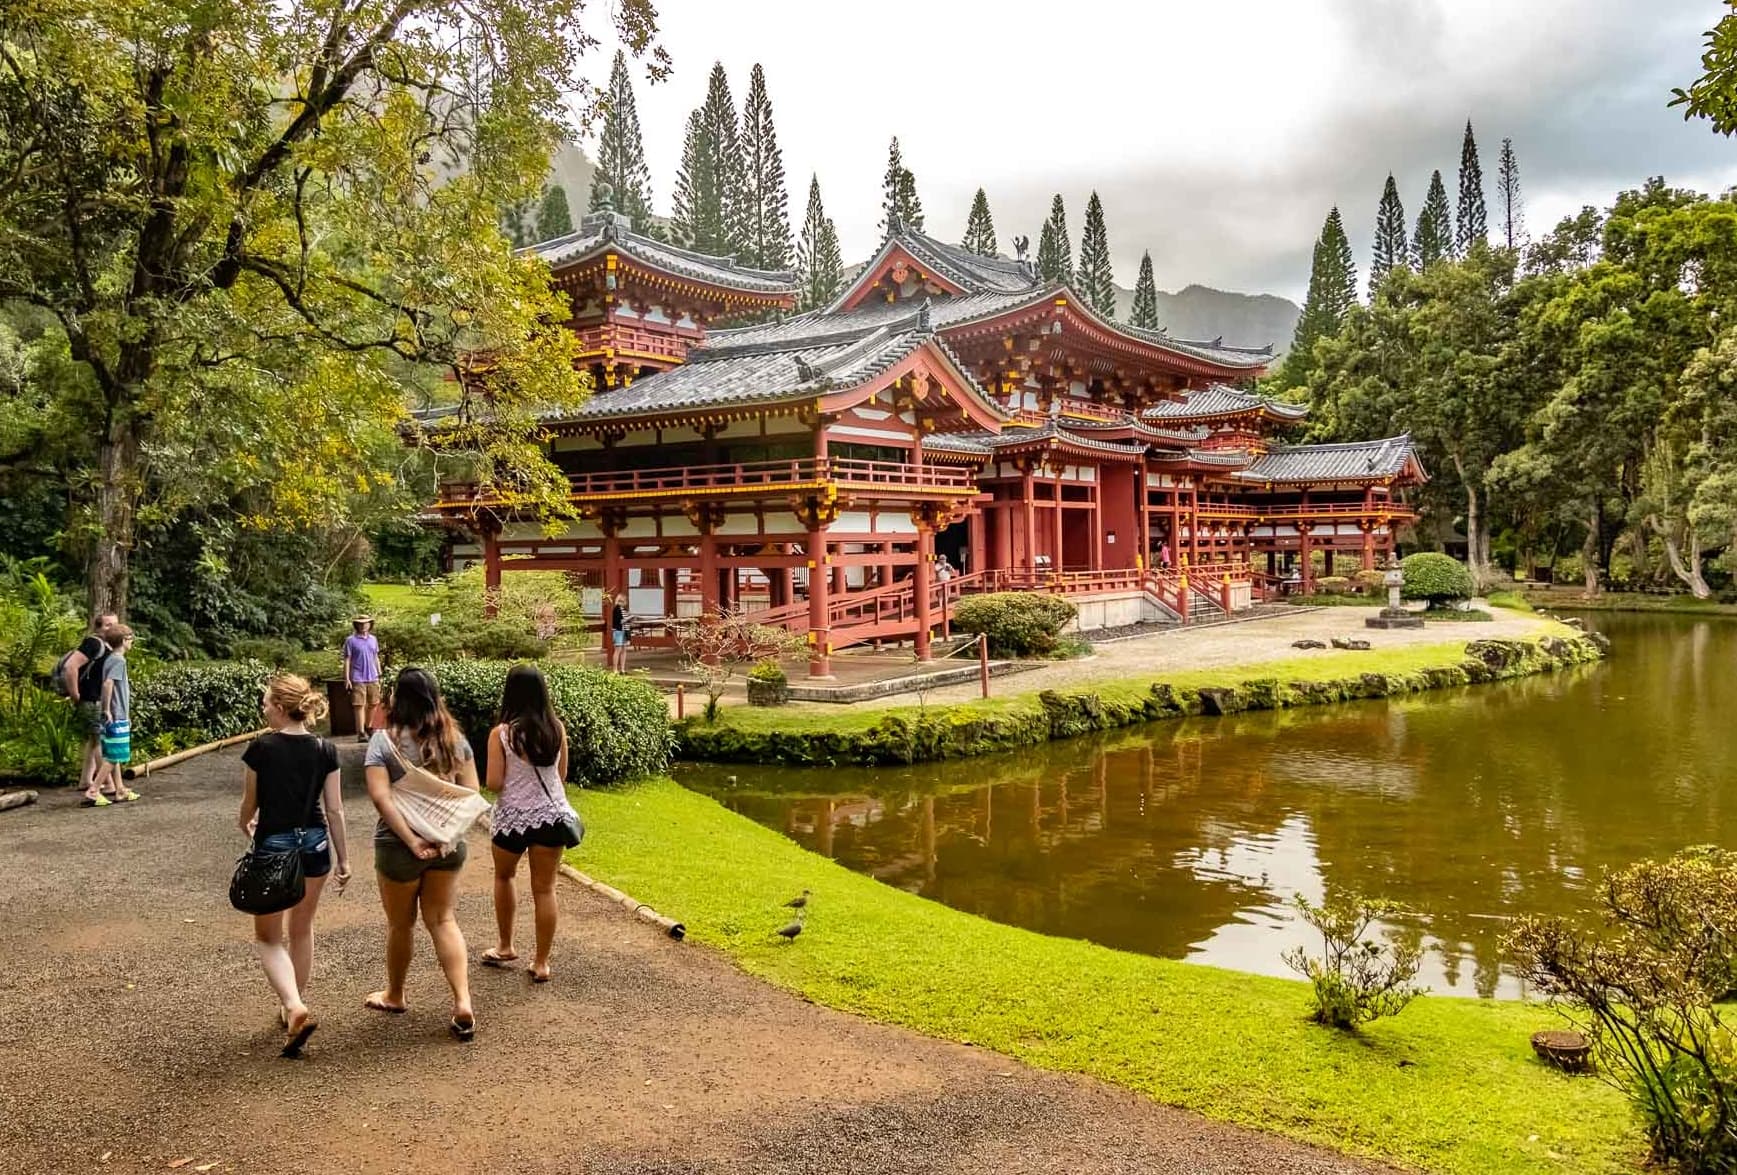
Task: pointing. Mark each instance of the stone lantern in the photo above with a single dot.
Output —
(1395, 615)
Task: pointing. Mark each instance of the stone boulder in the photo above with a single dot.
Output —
(1355, 644)
(1308, 644)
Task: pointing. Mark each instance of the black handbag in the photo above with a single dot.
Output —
(572, 828)
(268, 882)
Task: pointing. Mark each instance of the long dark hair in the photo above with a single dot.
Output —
(532, 728)
(417, 710)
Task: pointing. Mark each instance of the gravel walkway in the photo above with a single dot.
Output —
(136, 1034)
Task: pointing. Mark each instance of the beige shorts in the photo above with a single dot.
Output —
(365, 693)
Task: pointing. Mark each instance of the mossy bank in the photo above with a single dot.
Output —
(917, 734)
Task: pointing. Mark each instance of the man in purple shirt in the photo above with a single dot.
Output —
(362, 672)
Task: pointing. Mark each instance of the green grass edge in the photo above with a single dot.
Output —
(1451, 1085)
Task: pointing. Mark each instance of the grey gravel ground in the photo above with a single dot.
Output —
(136, 1032)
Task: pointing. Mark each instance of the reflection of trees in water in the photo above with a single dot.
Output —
(1469, 806)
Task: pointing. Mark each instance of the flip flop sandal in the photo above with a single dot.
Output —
(293, 1048)
(461, 1030)
(493, 958)
(127, 796)
(543, 978)
(376, 1003)
(95, 802)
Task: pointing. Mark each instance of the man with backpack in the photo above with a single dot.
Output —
(79, 675)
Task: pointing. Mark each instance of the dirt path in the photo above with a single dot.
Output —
(136, 1032)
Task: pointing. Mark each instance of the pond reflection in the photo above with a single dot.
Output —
(1189, 839)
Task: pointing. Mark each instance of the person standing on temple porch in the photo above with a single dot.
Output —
(617, 651)
(1164, 556)
(943, 569)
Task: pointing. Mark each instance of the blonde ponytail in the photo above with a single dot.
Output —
(296, 697)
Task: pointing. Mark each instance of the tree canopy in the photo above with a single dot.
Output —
(980, 228)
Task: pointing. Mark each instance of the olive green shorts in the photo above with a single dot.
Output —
(394, 861)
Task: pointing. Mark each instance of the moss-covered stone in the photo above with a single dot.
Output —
(950, 732)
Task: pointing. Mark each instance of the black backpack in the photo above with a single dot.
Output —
(90, 676)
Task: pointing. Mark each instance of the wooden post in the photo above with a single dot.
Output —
(491, 573)
(1055, 564)
(819, 654)
(681, 702)
(983, 662)
(1028, 493)
(1308, 569)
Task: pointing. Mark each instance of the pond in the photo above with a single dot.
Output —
(1188, 840)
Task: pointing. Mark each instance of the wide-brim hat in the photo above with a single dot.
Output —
(361, 620)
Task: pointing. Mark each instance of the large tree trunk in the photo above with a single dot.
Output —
(1477, 532)
(1686, 569)
(109, 578)
(1589, 548)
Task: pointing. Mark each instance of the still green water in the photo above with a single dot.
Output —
(1189, 839)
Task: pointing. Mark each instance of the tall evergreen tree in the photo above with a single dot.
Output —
(1392, 248)
(554, 216)
(519, 224)
(1055, 254)
(980, 229)
(1510, 212)
(1097, 284)
(695, 216)
(768, 215)
(1332, 293)
(1472, 223)
(1145, 309)
(1434, 239)
(621, 153)
(819, 263)
(899, 193)
(723, 138)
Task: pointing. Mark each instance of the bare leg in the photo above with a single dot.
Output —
(399, 899)
(439, 899)
(545, 864)
(360, 709)
(301, 932)
(506, 899)
(279, 969)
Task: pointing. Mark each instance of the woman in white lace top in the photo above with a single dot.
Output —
(527, 767)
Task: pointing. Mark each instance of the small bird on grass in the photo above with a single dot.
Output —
(789, 932)
(799, 902)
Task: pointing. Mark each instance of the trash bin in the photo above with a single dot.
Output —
(342, 719)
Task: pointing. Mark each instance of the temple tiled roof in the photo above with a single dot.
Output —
(755, 375)
(607, 230)
(1219, 400)
(977, 274)
(1050, 430)
(1350, 461)
(1233, 459)
(944, 312)
(1177, 436)
(974, 443)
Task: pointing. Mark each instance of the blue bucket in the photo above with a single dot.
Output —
(117, 741)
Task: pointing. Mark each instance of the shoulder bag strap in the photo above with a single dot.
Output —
(319, 786)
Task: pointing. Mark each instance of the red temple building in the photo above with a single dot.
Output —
(817, 468)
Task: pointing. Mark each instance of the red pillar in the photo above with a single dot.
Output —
(669, 591)
(1145, 520)
(1028, 494)
(920, 580)
(1308, 560)
(491, 572)
(708, 575)
(978, 544)
(1055, 559)
(1097, 498)
(819, 652)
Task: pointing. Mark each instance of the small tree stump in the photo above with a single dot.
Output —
(16, 799)
(1567, 1050)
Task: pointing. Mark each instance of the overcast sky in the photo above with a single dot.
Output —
(1218, 134)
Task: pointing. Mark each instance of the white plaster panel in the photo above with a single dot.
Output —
(852, 522)
(574, 444)
(783, 522)
(785, 425)
(867, 413)
(639, 528)
(874, 434)
(636, 440)
(886, 523)
(680, 436)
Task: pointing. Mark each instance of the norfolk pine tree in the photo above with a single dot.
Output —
(1145, 310)
(1055, 255)
(554, 215)
(723, 140)
(768, 203)
(695, 216)
(621, 152)
(1434, 239)
(1472, 223)
(263, 263)
(1510, 210)
(899, 193)
(819, 264)
(980, 229)
(1097, 284)
(1332, 293)
(1391, 246)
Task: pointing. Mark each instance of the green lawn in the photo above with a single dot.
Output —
(1451, 1085)
(817, 717)
(396, 599)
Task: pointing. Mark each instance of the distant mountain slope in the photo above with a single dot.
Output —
(1245, 320)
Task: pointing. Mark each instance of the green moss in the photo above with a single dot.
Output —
(1451, 1085)
(914, 734)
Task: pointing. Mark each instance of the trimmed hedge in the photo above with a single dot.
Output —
(1440, 579)
(952, 732)
(198, 701)
(617, 727)
(1019, 624)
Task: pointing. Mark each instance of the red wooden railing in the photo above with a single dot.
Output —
(1294, 510)
(752, 475)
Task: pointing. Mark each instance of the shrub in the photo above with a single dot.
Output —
(769, 671)
(208, 699)
(1356, 979)
(1337, 585)
(1018, 624)
(1371, 581)
(1440, 579)
(413, 639)
(617, 727)
(1648, 997)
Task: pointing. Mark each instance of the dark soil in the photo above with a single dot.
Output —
(137, 1034)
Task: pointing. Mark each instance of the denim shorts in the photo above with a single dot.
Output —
(619, 636)
(316, 848)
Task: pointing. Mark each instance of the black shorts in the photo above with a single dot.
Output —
(553, 835)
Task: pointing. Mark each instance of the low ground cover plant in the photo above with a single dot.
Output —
(1652, 996)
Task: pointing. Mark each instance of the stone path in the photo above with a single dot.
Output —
(136, 1034)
